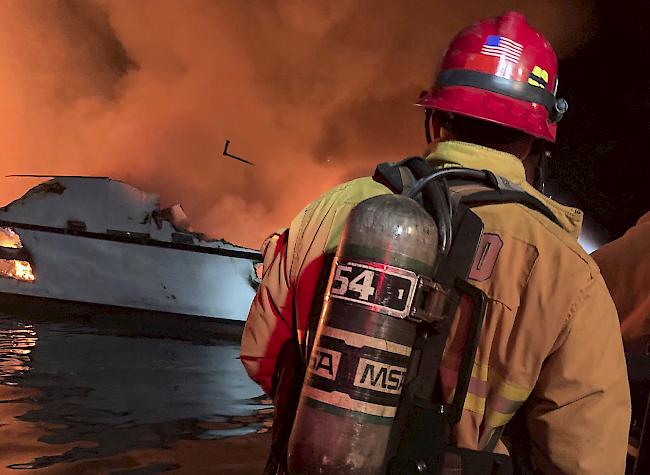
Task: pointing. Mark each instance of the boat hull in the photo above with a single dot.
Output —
(124, 273)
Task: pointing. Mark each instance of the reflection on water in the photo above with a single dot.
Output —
(74, 399)
(16, 344)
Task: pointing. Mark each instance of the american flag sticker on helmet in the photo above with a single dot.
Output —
(502, 47)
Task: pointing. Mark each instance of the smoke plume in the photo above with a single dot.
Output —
(148, 91)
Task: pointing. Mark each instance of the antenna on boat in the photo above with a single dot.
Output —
(57, 176)
(30, 176)
(225, 152)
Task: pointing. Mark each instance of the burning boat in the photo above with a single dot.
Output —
(98, 241)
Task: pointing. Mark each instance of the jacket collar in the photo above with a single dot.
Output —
(468, 155)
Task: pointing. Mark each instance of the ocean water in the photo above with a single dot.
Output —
(94, 396)
(77, 398)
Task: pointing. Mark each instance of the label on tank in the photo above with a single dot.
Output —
(379, 376)
(383, 288)
(325, 362)
(356, 372)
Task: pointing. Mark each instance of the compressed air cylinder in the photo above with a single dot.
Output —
(363, 343)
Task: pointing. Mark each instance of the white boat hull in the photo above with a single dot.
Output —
(94, 270)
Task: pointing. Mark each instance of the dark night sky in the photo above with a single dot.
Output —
(601, 158)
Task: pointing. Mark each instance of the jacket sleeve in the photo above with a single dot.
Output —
(269, 322)
(293, 260)
(580, 412)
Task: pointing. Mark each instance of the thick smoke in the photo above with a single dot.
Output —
(148, 91)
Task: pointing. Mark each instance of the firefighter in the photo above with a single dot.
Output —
(550, 348)
(625, 265)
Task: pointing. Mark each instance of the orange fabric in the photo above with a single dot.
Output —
(625, 265)
(550, 338)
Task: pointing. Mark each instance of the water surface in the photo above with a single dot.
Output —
(75, 398)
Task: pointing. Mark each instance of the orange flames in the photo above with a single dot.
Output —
(14, 269)
(8, 238)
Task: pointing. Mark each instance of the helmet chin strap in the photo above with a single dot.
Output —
(539, 159)
(431, 127)
(427, 125)
(540, 170)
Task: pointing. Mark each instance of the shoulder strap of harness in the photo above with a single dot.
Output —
(493, 189)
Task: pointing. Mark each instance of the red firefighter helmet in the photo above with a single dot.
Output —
(500, 70)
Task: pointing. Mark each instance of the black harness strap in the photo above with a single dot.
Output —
(389, 175)
(498, 191)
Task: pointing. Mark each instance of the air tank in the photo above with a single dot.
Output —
(364, 338)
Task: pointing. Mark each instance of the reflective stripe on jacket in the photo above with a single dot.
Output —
(551, 335)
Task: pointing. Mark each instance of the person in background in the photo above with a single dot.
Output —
(625, 266)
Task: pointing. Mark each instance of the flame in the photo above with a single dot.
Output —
(8, 238)
(23, 271)
(15, 269)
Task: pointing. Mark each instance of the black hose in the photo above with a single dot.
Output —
(462, 173)
(427, 124)
(434, 199)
